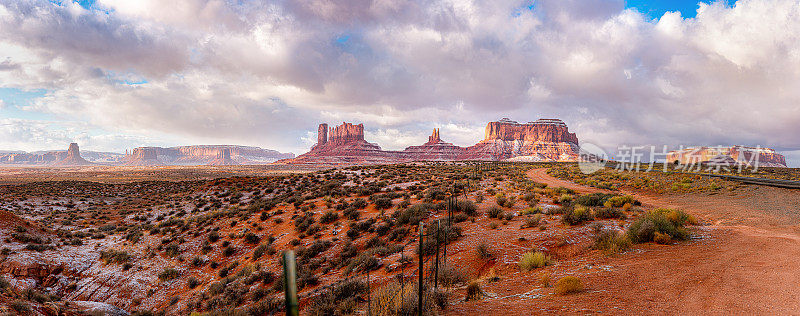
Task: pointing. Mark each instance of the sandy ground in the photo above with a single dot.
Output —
(742, 260)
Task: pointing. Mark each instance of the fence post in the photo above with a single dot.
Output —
(369, 296)
(402, 268)
(436, 264)
(421, 255)
(290, 283)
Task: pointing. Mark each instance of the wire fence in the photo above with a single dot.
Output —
(439, 257)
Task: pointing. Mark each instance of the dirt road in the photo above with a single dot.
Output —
(744, 260)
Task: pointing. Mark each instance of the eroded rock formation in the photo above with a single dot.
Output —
(223, 158)
(734, 155)
(202, 155)
(543, 140)
(72, 157)
(343, 144)
(434, 149)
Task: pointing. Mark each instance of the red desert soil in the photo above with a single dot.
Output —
(744, 260)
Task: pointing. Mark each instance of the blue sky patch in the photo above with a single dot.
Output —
(14, 100)
(656, 8)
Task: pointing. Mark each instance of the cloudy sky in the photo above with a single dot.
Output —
(116, 74)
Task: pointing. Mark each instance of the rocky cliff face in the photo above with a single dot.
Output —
(143, 156)
(223, 158)
(346, 133)
(766, 157)
(543, 140)
(344, 144)
(202, 155)
(435, 149)
(54, 156)
(72, 157)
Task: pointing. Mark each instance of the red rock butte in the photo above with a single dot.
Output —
(72, 157)
(543, 140)
(729, 156)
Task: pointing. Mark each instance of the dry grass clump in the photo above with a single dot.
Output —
(661, 225)
(395, 299)
(611, 241)
(533, 260)
(568, 285)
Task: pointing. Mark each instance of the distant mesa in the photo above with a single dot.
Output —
(223, 158)
(203, 155)
(148, 156)
(728, 156)
(543, 140)
(143, 156)
(72, 157)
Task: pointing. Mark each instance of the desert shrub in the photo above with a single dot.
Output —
(609, 212)
(593, 199)
(20, 306)
(168, 274)
(313, 250)
(545, 280)
(460, 217)
(251, 238)
(532, 221)
(394, 299)
(383, 203)
(362, 263)
(467, 207)
(340, 300)
(451, 274)
(213, 236)
(260, 251)
(483, 251)
(413, 214)
(611, 241)
(268, 306)
(329, 217)
(576, 215)
(494, 212)
(663, 221)
(660, 238)
(228, 251)
(528, 197)
(533, 260)
(565, 199)
(114, 256)
(359, 203)
(192, 282)
(500, 199)
(447, 233)
(531, 210)
(567, 285)
(351, 213)
(474, 291)
(619, 201)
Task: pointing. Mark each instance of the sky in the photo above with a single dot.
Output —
(117, 74)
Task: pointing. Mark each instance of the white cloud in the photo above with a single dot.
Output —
(267, 73)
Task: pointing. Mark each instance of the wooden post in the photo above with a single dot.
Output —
(421, 253)
(369, 296)
(436, 264)
(290, 283)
